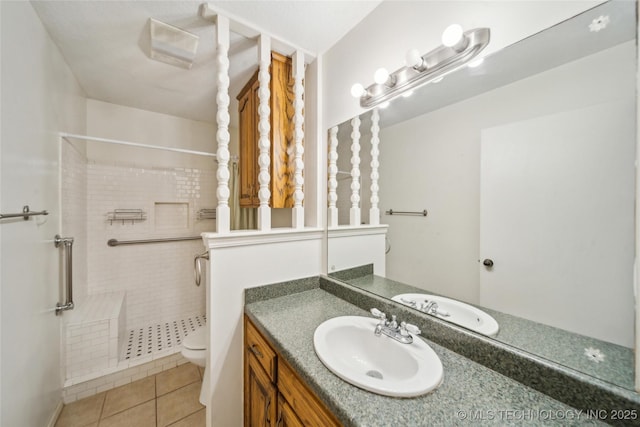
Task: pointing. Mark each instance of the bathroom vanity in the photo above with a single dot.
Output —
(268, 379)
(280, 321)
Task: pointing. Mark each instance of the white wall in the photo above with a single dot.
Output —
(239, 261)
(394, 27)
(40, 97)
(356, 246)
(636, 277)
(441, 159)
(108, 120)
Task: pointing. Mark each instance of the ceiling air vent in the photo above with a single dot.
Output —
(172, 45)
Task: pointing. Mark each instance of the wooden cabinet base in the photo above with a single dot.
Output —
(274, 394)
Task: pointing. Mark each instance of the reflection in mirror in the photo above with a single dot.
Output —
(525, 166)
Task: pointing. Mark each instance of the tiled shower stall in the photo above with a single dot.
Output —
(134, 303)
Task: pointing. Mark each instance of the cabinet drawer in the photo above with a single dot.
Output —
(309, 410)
(259, 347)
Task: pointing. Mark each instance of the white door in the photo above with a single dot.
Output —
(557, 220)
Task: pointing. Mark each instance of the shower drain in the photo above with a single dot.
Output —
(151, 339)
(374, 374)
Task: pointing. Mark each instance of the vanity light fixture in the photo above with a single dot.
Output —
(458, 49)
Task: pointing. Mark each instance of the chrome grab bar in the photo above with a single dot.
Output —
(197, 266)
(26, 213)
(68, 257)
(116, 242)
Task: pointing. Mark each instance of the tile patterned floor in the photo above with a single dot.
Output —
(156, 338)
(169, 398)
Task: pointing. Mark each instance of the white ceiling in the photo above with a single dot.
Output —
(106, 44)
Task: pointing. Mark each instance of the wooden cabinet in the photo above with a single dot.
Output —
(281, 136)
(286, 416)
(260, 396)
(274, 395)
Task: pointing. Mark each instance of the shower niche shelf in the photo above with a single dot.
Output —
(126, 215)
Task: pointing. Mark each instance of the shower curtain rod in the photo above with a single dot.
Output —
(136, 144)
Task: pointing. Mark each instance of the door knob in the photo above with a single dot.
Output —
(488, 263)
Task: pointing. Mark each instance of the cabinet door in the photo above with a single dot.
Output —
(282, 127)
(307, 407)
(260, 395)
(286, 416)
(248, 159)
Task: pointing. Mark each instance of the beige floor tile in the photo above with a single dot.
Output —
(128, 396)
(194, 420)
(81, 413)
(178, 404)
(175, 378)
(139, 416)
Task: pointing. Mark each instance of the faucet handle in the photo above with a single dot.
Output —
(408, 328)
(394, 323)
(378, 314)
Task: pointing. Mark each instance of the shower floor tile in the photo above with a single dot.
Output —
(150, 340)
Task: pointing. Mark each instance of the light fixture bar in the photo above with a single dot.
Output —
(435, 64)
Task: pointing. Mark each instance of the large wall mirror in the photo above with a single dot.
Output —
(525, 167)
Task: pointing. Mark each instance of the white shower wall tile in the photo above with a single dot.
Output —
(157, 278)
(92, 334)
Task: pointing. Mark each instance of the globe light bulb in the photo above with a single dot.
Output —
(381, 76)
(452, 35)
(357, 90)
(412, 58)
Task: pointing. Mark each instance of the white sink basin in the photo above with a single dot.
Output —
(458, 312)
(348, 347)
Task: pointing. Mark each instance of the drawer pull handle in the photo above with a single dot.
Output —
(254, 350)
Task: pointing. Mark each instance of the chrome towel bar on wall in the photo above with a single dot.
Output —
(67, 243)
(26, 213)
(420, 213)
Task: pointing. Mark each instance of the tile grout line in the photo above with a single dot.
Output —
(155, 392)
(104, 402)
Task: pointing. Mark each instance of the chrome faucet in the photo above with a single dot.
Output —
(432, 308)
(429, 307)
(401, 333)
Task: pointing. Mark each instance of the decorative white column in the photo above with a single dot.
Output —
(223, 216)
(333, 174)
(374, 211)
(298, 136)
(264, 143)
(354, 212)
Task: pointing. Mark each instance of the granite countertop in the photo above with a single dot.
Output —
(470, 394)
(555, 344)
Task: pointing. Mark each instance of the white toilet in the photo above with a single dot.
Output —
(194, 349)
(194, 346)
